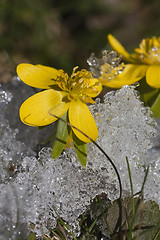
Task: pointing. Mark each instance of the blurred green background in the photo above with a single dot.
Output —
(63, 33)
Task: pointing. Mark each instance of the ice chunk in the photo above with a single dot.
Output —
(110, 58)
(11, 150)
(32, 137)
(125, 129)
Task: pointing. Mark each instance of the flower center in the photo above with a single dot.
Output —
(148, 51)
(80, 85)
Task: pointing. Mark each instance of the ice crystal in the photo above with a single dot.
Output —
(11, 150)
(125, 130)
(110, 58)
(28, 194)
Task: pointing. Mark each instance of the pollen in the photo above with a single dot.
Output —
(148, 51)
(79, 85)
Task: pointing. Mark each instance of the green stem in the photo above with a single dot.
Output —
(119, 221)
(130, 235)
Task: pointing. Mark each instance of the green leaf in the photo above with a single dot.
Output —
(62, 135)
(155, 108)
(151, 216)
(146, 218)
(81, 150)
(149, 97)
(147, 93)
(32, 236)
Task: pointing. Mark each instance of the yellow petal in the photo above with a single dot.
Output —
(132, 73)
(38, 109)
(153, 76)
(94, 89)
(115, 44)
(81, 117)
(37, 76)
(69, 143)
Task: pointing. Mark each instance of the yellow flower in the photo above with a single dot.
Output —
(62, 94)
(111, 72)
(145, 60)
(119, 76)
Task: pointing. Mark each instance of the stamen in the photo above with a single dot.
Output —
(148, 51)
(79, 85)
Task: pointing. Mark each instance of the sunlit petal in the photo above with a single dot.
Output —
(37, 76)
(115, 44)
(81, 117)
(131, 74)
(153, 76)
(38, 109)
(95, 87)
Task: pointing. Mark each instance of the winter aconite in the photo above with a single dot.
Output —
(145, 60)
(62, 93)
